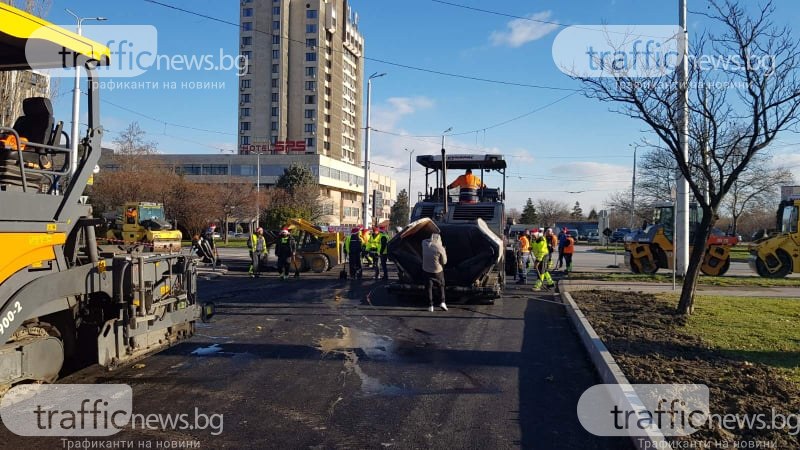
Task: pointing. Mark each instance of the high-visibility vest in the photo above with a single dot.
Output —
(524, 244)
(383, 249)
(539, 248)
(255, 240)
(569, 246)
(373, 243)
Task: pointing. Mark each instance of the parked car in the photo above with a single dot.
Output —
(574, 233)
(619, 234)
(593, 237)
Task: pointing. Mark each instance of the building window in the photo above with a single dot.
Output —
(309, 113)
(276, 25)
(247, 12)
(311, 14)
(311, 56)
(244, 140)
(311, 43)
(245, 83)
(276, 54)
(327, 132)
(245, 112)
(247, 54)
(274, 82)
(328, 64)
(311, 28)
(247, 40)
(327, 91)
(311, 99)
(244, 126)
(276, 10)
(326, 145)
(309, 128)
(311, 71)
(247, 26)
(276, 39)
(311, 85)
(274, 111)
(328, 118)
(327, 104)
(275, 68)
(245, 98)
(274, 97)
(309, 142)
(274, 126)
(328, 77)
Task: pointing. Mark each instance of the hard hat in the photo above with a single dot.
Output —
(355, 230)
(549, 230)
(285, 231)
(535, 231)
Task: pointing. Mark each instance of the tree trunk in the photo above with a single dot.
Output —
(686, 303)
(226, 228)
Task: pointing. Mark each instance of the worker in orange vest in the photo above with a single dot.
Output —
(525, 257)
(568, 251)
(468, 185)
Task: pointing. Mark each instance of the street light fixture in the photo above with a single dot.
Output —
(76, 98)
(368, 132)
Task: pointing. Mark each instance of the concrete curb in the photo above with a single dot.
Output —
(609, 370)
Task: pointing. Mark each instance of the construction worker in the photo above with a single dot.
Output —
(131, 215)
(468, 185)
(285, 250)
(525, 256)
(434, 258)
(383, 251)
(562, 241)
(352, 248)
(364, 242)
(540, 253)
(373, 248)
(552, 246)
(258, 249)
(569, 250)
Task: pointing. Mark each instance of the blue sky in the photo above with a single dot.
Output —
(573, 150)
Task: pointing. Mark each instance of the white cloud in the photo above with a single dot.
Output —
(522, 31)
(387, 116)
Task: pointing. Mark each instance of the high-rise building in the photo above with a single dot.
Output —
(302, 93)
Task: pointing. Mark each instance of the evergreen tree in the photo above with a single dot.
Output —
(399, 213)
(577, 212)
(529, 213)
(593, 214)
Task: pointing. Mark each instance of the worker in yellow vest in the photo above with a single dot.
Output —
(373, 247)
(383, 251)
(540, 253)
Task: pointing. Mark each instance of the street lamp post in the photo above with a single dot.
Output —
(76, 99)
(258, 189)
(366, 215)
(410, 156)
(633, 186)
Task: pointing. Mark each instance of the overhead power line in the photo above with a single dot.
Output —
(378, 60)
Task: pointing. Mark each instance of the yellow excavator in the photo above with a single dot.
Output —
(317, 250)
(777, 254)
(143, 224)
(651, 249)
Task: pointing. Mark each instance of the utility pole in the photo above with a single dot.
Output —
(368, 132)
(633, 187)
(410, 155)
(76, 99)
(682, 200)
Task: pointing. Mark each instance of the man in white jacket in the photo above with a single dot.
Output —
(434, 258)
